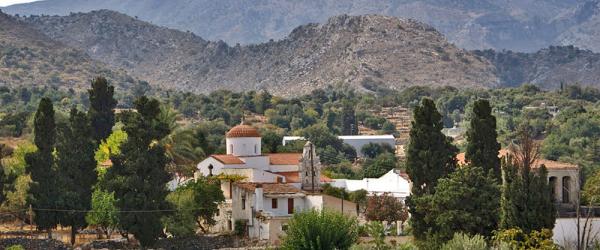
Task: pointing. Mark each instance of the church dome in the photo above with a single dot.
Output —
(242, 131)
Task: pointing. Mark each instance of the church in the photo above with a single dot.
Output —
(263, 191)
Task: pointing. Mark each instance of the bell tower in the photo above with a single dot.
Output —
(310, 169)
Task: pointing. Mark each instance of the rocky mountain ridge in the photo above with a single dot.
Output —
(518, 25)
(356, 50)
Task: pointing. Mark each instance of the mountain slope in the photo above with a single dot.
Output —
(28, 57)
(358, 50)
(520, 25)
(547, 68)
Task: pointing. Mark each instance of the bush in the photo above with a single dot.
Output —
(464, 241)
(515, 238)
(324, 229)
(15, 247)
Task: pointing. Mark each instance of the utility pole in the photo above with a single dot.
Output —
(312, 169)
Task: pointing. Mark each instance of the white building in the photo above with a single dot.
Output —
(274, 185)
(356, 141)
(393, 182)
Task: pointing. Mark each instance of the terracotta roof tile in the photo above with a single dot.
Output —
(242, 131)
(269, 188)
(228, 159)
(548, 163)
(294, 177)
(284, 158)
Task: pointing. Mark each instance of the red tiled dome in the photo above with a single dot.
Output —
(242, 131)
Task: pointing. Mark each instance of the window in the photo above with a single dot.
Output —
(243, 202)
(231, 148)
(255, 149)
(290, 205)
(273, 203)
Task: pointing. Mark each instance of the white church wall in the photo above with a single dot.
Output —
(243, 146)
(217, 166)
(283, 168)
(257, 162)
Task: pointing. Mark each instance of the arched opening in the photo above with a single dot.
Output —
(566, 188)
(552, 183)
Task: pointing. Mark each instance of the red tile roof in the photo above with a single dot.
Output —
(242, 131)
(228, 159)
(284, 158)
(294, 177)
(269, 188)
(548, 163)
(107, 163)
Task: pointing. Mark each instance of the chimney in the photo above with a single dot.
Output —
(258, 197)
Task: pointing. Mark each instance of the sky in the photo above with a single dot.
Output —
(4, 3)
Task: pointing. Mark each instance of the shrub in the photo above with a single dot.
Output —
(15, 247)
(515, 238)
(464, 241)
(324, 229)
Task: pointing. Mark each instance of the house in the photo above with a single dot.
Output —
(394, 182)
(563, 177)
(268, 188)
(356, 141)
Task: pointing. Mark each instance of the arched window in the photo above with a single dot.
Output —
(566, 188)
(552, 183)
(231, 148)
(255, 149)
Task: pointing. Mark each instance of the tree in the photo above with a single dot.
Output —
(138, 177)
(3, 182)
(372, 150)
(526, 202)
(383, 163)
(324, 229)
(466, 201)
(101, 113)
(385, 208)
(271, 140)
(430, 156)
(40, 165)
(76, 170)
(349, 123)
(197, 204)
(104, 212)
(482, 145)
(591, 190)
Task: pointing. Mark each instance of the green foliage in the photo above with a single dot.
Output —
(429, 157)
(466, 201)
(197, 203)
(15, 247)
(376, 230)
(111, 146)
(482, 145)
(40, 166)
(138, 177)
(75, 167)
(526, 200)
(104, 212)
(462, 241)
(383, 163)
(349, 123)
(591, 190)
(101, 113)
(18, 181)
(271, 141)
(325, 229)
(372, 150)
(516, 238)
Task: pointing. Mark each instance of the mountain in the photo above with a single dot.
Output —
(28, 57)
(547, 68)
(361, 51)
(518, 25)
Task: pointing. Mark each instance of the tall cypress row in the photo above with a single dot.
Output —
(40, 165)
(349, 123)
(76, 165)
(101, 113)
(138, 177)
(482, 144)
(430, 156)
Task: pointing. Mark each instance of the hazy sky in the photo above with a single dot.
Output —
(4, 3)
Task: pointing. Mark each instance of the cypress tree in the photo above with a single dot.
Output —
(482, 144)
(526, 200)
(76, 169)
(138, 177)
(430, 156)
(40, 165)
(101, 113)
